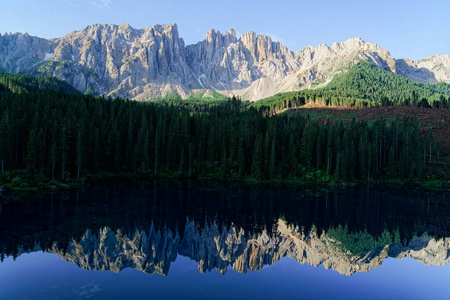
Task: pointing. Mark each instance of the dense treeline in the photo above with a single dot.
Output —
(197, 106)
(364, 86)
(21, 83)
(58, 136)
(204, 95)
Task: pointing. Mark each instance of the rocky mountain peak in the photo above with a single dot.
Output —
(217, 39)
(118, 60)
(248, 39)
(124, 26)
(231, 33)
(355, 41)
(169, 29)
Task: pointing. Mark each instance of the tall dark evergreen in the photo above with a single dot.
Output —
(54, 135)
(5, 150)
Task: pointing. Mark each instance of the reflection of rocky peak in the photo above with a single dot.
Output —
(214, 247)
(427, 251)
(149, 253)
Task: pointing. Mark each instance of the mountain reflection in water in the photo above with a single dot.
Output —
(146, 225)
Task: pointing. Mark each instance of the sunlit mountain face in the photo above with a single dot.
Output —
(141, 64)
(226, 226)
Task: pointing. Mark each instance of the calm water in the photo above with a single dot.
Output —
(169, 240)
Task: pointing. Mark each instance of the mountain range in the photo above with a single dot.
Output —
(120, 61)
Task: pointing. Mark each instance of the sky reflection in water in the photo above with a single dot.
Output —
(45, 276)
(184, 230)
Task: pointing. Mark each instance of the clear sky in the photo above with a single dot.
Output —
(407, 28)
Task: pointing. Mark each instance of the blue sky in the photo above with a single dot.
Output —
(412, 28)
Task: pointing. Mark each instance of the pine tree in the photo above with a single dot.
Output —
(241, 159)
(257, 160)
(4, 140)
(96, 152)
(81, 152)
(273, 161)
(305, 148)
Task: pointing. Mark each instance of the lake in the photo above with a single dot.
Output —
(164, 239)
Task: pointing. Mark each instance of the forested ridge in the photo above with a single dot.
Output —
(364, 85)
(59, 136)
(22, 83)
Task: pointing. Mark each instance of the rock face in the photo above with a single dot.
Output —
(321, 63)
(252, 66)
(435, 68)
(118, 60)
(112, 60)
(19, 53)
(214, 247)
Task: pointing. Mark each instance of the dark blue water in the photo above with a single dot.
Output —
(200, 240)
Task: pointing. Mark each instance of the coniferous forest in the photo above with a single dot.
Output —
(61, 135)
(364, 85)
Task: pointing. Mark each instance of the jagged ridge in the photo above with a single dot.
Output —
(118, 60)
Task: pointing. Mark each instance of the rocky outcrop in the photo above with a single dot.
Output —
(112, 60)
(214, 247)
(251, 66)
(118, 60)
(320, 64)
(21, 53)
(435, 68)
(123, 61)
(255, 67)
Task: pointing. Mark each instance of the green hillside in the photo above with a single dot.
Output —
(365, 85)
(20, 83)
(366, 81)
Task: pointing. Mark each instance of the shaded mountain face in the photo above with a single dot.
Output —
(435, 68)
(118, 60)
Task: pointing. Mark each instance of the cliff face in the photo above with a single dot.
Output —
(321, 63)
(112, 60)
(252, 66)
(218, 248)
(19, 53)
(118, 60)
(435, 68)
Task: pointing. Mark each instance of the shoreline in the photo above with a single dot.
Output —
(7, 187)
